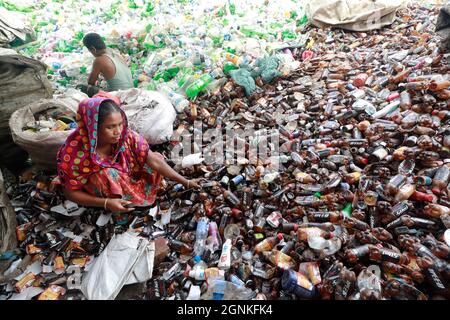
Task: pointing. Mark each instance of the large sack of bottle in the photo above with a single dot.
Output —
(42, 127)
(353, 15)
(443, 27)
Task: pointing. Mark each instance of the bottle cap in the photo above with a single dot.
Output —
(280, 236)
(197, 259)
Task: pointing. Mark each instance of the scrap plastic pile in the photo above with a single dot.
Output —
(359, 209)
(163, 41)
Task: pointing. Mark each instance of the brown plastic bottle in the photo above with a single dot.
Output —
(333, 216)
(180, 247)
(304, 233)
(268, 243)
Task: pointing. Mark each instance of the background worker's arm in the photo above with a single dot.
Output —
(96, 70)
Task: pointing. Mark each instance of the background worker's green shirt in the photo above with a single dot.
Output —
(122, 79)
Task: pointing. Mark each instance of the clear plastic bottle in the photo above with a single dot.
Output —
(214, 238)
(327, 247)
(226, 290)
(225, 257)
(200, 237)
(369, 283)
(179, 102)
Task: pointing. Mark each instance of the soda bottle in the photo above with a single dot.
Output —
(268, 243)
(279, 259)
(441, 178)
(298, 284)
(200, 84)
(304, 234)
(225, 257)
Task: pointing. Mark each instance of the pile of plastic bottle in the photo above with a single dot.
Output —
(174, 42)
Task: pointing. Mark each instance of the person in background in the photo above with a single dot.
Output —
(107, 63)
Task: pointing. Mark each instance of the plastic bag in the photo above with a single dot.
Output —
(127, 259)
(243, 77)
(149, 113)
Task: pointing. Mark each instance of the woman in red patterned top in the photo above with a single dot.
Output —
(105, 164)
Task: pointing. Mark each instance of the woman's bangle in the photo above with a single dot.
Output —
(188, 184)
(104, 205)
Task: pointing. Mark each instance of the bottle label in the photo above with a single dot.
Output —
(360, 251)
(394, 223)
(321, 216)
(346, 288)
(304, 201)
(399, 209)
(436, 280)
(388, 255)
(303, 282)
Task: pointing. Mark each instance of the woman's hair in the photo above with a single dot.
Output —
(105, 109)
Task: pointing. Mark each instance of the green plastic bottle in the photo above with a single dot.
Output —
(132, 4)
(150, 7)
(79, 35)
(347, 210)
(288, 34)
(232, 8)
(198, 85)
(228, 66)
(302, 21)
(187, 73)
(171, 73)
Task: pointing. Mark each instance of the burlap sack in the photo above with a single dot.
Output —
(443, 27)
(22, 81)
(353, 15)
(41, 146)
(8, 240)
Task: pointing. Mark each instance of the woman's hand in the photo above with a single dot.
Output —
(156, 161)
(117, 205)
(194, 183)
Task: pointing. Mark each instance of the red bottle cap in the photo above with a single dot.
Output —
(364, 161)
(236, 212)
(280, 236)
(436, 191)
